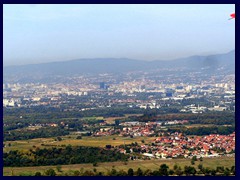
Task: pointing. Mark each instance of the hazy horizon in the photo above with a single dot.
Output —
(68, 60)
(51, 33)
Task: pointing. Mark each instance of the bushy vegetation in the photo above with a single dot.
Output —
(38, 133)
(59, 156)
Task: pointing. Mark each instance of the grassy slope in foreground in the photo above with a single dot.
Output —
(104, 167)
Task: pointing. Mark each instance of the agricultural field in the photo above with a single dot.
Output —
(71, 139)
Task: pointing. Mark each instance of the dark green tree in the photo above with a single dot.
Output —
(50, 172)
(130, 172)
(171, 172)
(200, 167)
(179, 171)
(189, 170)
(194, 158)
(163, 170)
(226, 172)
(139, 172)
(38, 174)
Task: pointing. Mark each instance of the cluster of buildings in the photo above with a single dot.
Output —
(177, 145)
(133, 94)
(136, 128)
(193, 108)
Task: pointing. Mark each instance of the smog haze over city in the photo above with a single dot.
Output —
(119, 90)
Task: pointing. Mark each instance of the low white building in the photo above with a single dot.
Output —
(8, 102)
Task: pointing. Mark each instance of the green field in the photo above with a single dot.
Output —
(111, 120)
(104, 167)
(199, 125)
(71, 139)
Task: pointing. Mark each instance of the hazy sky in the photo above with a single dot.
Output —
(44, 33)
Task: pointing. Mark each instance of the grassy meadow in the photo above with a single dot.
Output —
(71, 139)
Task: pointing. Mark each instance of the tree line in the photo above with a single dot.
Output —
(200, 131)
(60, 156)
(163, 170)
(44, 132)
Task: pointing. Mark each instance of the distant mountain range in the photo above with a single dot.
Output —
(122, 65)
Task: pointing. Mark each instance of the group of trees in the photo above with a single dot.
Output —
(216, 118)
(223, 130)
(37, 133)
(163, 170)
(58, 156)
(50, 113)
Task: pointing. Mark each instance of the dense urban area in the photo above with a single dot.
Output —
(186, 92)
